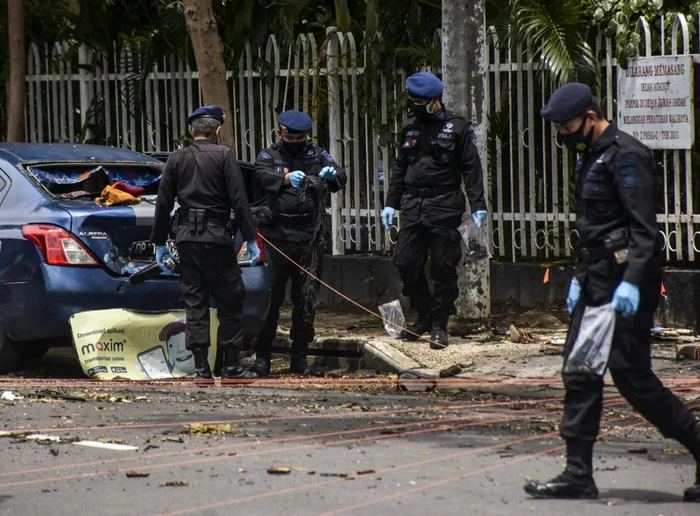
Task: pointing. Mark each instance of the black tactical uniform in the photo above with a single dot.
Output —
(616, 222)
(292, 230)
(208, 184)
(436, 156)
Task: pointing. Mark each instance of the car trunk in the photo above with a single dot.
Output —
(117, 235)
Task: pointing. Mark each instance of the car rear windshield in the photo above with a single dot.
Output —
(75, 180)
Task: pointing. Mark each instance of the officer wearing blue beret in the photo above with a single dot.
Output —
(618, 263)
(437, 154)
(295, 175)
(208, 184)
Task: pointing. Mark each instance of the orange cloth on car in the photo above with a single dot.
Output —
(114, 197)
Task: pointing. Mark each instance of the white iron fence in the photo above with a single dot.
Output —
(127, 102)
(532, 176)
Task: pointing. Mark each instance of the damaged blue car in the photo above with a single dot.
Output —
(62, 252)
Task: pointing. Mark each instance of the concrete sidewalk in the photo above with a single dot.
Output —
(520, 344)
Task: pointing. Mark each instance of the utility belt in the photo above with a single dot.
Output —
(427, 193)
(198, 219)
(615, 247)
(293, 218)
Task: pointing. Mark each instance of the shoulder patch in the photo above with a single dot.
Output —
(627, 168)
(265, 155)
(327, 156)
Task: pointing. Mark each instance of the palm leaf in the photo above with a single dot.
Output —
(556, 30)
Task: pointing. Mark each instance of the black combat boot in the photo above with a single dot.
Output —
(261, 367)
(422, 325)
(691, 440)
(201, 362)
(299, 365)
(692, 494)
(438, 335)
(232, 369)
(576, 481)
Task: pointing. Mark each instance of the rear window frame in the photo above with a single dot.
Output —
(25, 166)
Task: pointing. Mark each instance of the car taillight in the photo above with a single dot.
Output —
(58, 246)
(242, 255)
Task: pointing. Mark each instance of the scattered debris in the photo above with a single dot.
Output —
(670, 333)
(10, 396)
(414, 380)
(279, 470)
(451, 371)
(43, 438)
(54, 451)
(107, 446)
(517, 335)
(200, 429)
(366, 472)
(674, 451)
(133, 473)
(172, 439)
(688, 351)
(638, 449)
(55, 395)
(111, 440)
(342, 475)
(175, 483)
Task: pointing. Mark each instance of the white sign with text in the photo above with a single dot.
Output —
(655, 101)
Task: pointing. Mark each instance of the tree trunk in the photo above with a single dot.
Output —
(464, 74)
(18, 71)
(209, 54)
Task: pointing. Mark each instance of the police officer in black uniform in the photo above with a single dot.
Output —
(208, 184)
(437, 153)
(286, 171)
(618, 262)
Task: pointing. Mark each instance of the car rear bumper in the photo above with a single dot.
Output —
(41, 308)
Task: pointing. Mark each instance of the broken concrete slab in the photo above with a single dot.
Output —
(688, 351)
(418, 380)
(383, 357)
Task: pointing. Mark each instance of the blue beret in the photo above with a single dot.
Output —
(424, 85)
(294, 121)
(567, 102)
(215, 112)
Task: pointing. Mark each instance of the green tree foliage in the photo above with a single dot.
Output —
(618, 20)
(555, 28)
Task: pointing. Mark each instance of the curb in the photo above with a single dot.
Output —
(383, 357)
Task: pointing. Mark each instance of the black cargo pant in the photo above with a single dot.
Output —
(303, 294)
(445, 245)
(629, 363)
(210, 269)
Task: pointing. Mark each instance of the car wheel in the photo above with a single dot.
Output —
(9, 358)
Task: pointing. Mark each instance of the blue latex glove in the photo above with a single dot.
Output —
(574, 294)
(387, 217)
(161, 252)
(626, 299)
(479, 217)
(253, 252)
(296, 178)
(327, 172)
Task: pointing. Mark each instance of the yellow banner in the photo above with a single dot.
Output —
(121, 344)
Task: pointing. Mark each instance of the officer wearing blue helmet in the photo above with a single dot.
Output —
(208, 184)
(618, 263)
(437, 153)
(294, 174)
